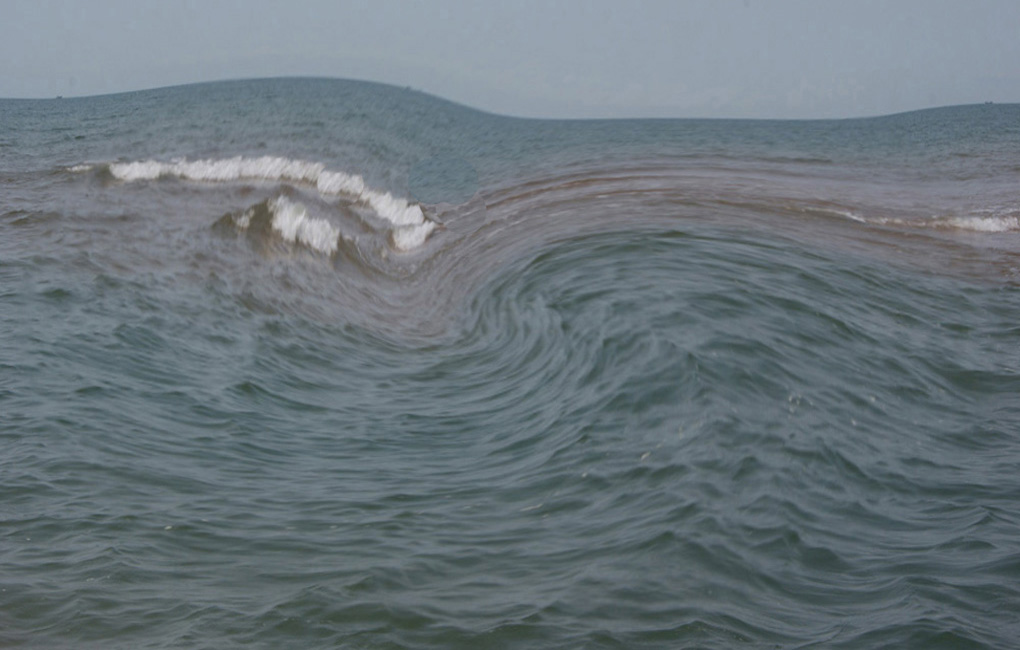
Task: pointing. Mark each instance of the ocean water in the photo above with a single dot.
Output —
(314, 363)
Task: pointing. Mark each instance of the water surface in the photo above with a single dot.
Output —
(315, 363)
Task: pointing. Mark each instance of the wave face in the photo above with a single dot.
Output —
(307, 363)
(410, 227)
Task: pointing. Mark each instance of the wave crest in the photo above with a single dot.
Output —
(293, 224)
(411, 226)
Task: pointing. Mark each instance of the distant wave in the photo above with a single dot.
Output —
(979, 222)
(410, 225)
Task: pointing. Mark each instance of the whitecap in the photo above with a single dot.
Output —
(983, 224)
(291, 221)
(411, 226)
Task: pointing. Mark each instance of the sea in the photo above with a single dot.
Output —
(317, 363)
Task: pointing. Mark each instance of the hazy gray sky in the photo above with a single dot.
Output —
(566, 58)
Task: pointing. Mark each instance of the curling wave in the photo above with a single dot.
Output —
(410, 226)
(290, 220)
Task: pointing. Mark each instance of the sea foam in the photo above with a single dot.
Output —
(411, 227)
(987, 223)
(982, 221)
(293, 224)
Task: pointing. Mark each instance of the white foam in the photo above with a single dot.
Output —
(397, 211)
(228, 169)
(339, 183)
(983, 224)
(292, 222)
(406, 238)
(1008, 222)
(243, 220)
(846, 214)
(412, 227)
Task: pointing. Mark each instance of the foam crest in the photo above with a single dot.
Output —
(293, 224)
(229, 169)
(397, 211)
(411, 230)
(1009, 222)
(329, 182)
(408, 238)
(984, 223)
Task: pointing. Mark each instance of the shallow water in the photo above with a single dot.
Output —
(313, 363)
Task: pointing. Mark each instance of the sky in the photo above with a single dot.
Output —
(548, 58)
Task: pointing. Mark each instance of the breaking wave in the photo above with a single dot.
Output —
(410, 226)
(981, 222)
(292, 223)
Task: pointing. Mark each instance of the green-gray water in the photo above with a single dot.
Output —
(312, 363)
